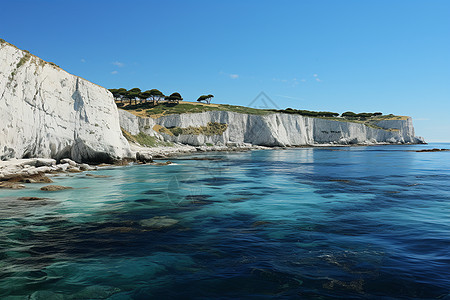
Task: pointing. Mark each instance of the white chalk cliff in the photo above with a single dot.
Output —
(47, 112)
(275, 129)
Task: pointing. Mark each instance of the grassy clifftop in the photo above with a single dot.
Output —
(147, 110)
(164, 109)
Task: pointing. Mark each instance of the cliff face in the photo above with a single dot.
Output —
(271, 130)
(47, 112)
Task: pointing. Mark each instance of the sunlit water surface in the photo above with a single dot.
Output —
(347, 222)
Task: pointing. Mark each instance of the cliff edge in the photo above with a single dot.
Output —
(47, 112)
(274, 129)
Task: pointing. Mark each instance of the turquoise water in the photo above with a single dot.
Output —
(310, 223)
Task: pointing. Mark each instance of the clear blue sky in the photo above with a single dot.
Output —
(391, 56)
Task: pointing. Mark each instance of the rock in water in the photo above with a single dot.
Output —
(53, 188)
(433, 150)
(86, 167)
(47, 112)
(43, 162)
(37, 178)
(159, 222)
(30, 198)
(74, 170)
(144, 157)
(68, 161)
(11, 185)
(97, 176)
(163, 163)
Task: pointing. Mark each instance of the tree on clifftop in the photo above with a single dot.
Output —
(134, 94)
(122, 93)
(348, 114)
(206, 98)
(145, 95)
(156, 95)
(174, 97)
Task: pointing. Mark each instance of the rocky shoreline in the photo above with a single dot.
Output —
(165, 152)
(16, 172)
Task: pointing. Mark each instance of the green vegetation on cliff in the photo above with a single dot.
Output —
(144, 139)
(212, 128)
(163, 109)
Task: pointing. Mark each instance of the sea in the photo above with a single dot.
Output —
(305, 223)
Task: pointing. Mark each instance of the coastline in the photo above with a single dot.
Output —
(15, 173)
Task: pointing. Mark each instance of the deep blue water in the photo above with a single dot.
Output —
(309, 223)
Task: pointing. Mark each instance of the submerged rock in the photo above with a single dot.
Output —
(97, 176)
(340, 180)
(90, 292)
(47, 295)
(31, 198)
(53, 188)
(117, 230)
(355, 285)
(158, 222)
(37, 178)
(261, 223)
(40, 178)
(95, 292)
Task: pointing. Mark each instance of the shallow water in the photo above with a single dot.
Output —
(347, 222)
